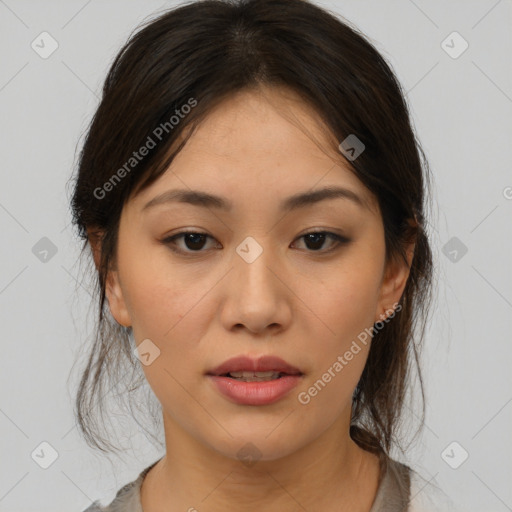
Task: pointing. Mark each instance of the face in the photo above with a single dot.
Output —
(253, 279)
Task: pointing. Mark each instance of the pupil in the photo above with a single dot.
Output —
(195, 238)
(314, 237)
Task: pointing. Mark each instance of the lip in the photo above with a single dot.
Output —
(255, 393)
(261, 364)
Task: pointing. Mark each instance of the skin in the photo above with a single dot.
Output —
(296, 301)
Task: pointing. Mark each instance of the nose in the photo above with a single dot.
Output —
(257, 295)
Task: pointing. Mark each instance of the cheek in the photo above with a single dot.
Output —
(346, 307)
(346, 301)
(158, 293)
(169, 305)
(166, 308)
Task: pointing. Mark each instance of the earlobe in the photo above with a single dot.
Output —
(116, 300)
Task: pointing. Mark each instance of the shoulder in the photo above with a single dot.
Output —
(403, 489)
(127, 498)
(394, 487)
(427, 496)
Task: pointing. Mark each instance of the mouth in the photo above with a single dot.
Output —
(245, 376)
(263, 381)
(255, 370)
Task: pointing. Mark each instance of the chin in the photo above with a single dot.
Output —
(252, 445)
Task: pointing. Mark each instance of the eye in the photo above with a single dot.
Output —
(195, 241)
(316, 239)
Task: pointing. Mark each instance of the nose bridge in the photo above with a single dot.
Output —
(252, 267)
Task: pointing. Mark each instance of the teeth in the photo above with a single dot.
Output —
(254, 376)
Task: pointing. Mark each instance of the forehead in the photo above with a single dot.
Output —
(264, 122)
(265, 141)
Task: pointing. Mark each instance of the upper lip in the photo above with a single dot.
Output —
(261, 364)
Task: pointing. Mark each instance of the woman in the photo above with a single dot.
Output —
(254, 198)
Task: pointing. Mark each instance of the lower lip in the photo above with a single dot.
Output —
(255, 393)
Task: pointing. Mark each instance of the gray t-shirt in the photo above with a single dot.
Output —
(392, 495)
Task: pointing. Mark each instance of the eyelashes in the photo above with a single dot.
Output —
(194, 242)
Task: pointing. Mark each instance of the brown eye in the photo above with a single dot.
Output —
(315, 240)
(193, 242)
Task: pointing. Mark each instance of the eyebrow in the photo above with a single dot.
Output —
(300, 200)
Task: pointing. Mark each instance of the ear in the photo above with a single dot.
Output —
(113, 289)
(393, 283)
(116, 301)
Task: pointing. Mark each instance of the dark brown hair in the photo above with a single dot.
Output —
(203, 52)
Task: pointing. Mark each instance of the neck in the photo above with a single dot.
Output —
(332, 473)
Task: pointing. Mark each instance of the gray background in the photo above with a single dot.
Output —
(462, 110)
